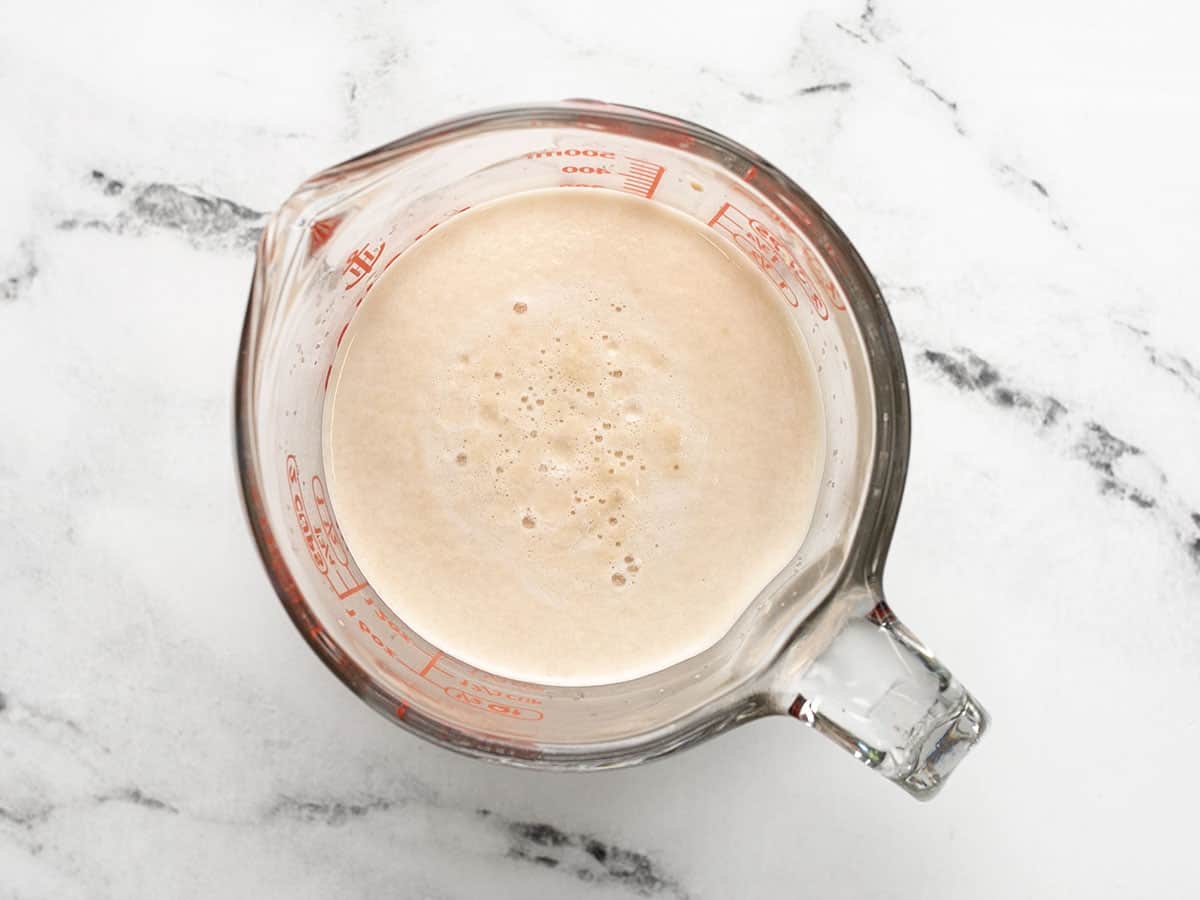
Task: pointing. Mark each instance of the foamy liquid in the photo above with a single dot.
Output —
(571, 435)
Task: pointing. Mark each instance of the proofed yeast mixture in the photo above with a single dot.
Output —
(571, 435)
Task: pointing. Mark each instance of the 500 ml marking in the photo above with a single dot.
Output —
(587, 152)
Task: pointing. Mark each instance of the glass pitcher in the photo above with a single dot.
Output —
(819, 643)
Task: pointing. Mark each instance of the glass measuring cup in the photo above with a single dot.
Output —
(819, 643)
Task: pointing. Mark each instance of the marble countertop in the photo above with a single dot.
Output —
(1020, 177)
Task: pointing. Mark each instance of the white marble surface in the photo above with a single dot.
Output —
(1021, 178)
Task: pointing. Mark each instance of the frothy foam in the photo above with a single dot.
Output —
(571, 436)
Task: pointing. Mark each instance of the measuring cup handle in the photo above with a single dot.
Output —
(878, 692)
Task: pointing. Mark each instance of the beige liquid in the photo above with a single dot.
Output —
(571, 436)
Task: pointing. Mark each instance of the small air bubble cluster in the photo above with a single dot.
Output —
(563, 403)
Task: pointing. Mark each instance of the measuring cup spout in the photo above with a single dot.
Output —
(878, 693)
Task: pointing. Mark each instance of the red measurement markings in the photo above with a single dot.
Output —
(484, 690)
(383, 617)
(586, 161)
(585, 153)
(416, 687)
(501, 709)
(472, 694)
(586, 170)
(426, 670)
(360, 263)
(637, 176)
(489, 678)
(433, 660)
(376, 639)
(414, 240)
(821, 275)
(363, 260)
(321, 538)
(771, 255)
(816, 268)
(320, 231)
(642, 177)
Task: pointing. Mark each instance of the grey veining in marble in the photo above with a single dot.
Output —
(1020, 177)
